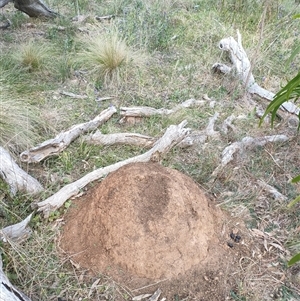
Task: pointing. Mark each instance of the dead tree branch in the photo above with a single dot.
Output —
(16, 177)
(242, 69)
(61, 141)
(173, 135)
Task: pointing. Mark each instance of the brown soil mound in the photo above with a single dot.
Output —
(149, 221)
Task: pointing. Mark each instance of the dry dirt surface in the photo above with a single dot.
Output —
(146, 224)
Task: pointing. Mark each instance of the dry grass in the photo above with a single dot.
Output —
(18, 124)
(32, 55)
(108, 57)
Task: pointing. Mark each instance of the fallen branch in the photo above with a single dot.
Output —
(16, 177)
(119, 138)
(149, 111)
(105, 18)
(61, 141)
(17, 232)
(240, 146)
(173, 135)
(7, 291)
(13, 233)
(273, 191)
(199, 137)
(242, 68)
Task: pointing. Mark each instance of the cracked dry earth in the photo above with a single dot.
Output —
(147, 224)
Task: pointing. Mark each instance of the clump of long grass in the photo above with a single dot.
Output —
(107, 57)
(32, 55)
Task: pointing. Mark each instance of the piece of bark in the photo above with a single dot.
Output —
(16, 177)
(56, 145)
(210, 131)
(173, 135)
(242, 68)
(70, 94)
(273, 191)
(105, 18)
(17, 232)
(98, 138)
(7, 291)
(240, 146)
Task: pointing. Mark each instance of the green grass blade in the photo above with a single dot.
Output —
(296, 179)
(294, 259)
(294, 202)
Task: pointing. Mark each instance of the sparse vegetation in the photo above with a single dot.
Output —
(151, 53)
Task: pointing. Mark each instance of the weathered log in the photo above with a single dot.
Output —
(242, 68)
(17, 232)
(173, 135)
(98, 138)
(13, 233)
(16, 177)
(272, 190)
(240, 146)
(61, 141)
(7, 291)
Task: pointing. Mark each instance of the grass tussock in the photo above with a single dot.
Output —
(32, 56)
(107, 57)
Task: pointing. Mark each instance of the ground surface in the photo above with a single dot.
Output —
(172, 47)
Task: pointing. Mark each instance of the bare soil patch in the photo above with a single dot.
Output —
(147, 224)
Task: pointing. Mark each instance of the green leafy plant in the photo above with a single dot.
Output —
(291, 91)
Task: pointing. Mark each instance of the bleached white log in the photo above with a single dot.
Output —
(273, 191)
(120, 138)
(240, 146)
(242, 68)
(148, 111)
(16, 232)
(173, 135)
(16, 177)
(7, 291)
(56, 145)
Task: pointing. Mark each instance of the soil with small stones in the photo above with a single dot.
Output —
(148, 226)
